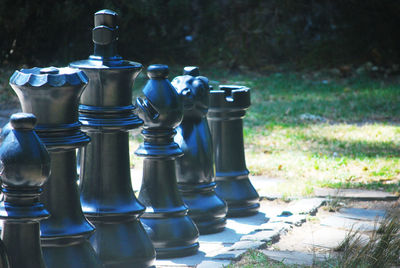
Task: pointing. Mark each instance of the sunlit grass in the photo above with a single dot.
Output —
(255, 258)
(323, 155)
(317, 131)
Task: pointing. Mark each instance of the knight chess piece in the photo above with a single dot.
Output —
(195, 169)
(52, 94)
(228, 105)
(25, 166)
(170, 228)
(106, 113)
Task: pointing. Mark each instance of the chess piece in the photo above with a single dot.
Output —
(195, 169)
(24, 166)
(106, 112)
(52, 94)
(170, 228)
(228, 105)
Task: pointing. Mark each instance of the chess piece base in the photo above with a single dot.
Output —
(240, 195)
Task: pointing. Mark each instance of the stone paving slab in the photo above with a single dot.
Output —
(295, 257)
(362, 214)
(264, 236)
(304, 206)
(329, 238)
(213, 264)
(295, 220)
(356, 194)
(348, 224)
(242, 234)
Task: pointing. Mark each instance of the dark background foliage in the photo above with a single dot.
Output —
(231, 33)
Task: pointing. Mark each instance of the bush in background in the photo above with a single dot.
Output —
(231, 33)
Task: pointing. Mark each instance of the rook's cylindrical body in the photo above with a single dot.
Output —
(228, 106)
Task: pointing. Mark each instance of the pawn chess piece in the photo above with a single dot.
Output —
(170, 228)
(228, 105)
(106, 112)
(24, 166)
(52, 94)
(195, 169)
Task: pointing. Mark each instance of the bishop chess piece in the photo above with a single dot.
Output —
(170, 228)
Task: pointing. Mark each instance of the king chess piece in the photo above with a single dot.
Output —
(228, 105)
(24, 166)
(170, 228)
(106, 113)
(52, 95)
(195, 169)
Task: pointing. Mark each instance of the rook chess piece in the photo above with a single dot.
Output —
(170, 228)
(24, 166)
(228, 106)
(195, 169)
(52, 94)
(106, 112)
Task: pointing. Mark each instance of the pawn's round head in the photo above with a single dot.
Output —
(23, 121)
(158, 71)
(24, 161)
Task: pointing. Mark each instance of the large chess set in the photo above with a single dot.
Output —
(194, 170)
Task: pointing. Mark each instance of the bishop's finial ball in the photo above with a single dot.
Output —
(158, 71)
(23, 121)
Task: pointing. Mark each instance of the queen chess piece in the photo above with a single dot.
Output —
(52, 94)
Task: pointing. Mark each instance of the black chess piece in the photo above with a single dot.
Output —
(195, 169)
(170, 228)
(228, 105)
(106, 112)
(52, 94)
(24, 166)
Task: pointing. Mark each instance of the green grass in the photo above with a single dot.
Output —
(312, 129)
(256, 259)
(318, 130)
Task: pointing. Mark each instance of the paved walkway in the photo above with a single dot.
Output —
(282, 232)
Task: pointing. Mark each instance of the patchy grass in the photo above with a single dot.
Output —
(255, 258)
(317, 130)
(382, 250)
